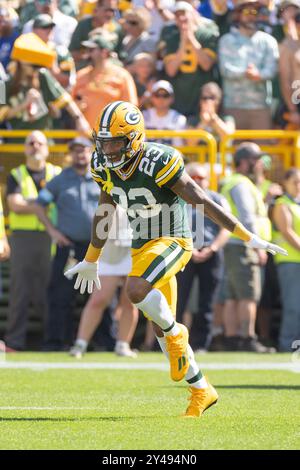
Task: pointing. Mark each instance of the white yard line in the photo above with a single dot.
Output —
(43, 408)
(286, 366)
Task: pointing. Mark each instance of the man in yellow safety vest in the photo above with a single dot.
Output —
(30, 243)
(243, 264)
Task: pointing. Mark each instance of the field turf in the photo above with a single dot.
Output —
(64, 408)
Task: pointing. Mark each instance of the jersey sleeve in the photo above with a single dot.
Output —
(169, 169)
(52, 91)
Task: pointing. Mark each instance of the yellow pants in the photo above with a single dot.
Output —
(158, 261)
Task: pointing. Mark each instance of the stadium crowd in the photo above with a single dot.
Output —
(217, 65)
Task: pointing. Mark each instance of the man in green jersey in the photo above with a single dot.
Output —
(149, 181)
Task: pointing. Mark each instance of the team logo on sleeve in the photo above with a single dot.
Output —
(132, 117)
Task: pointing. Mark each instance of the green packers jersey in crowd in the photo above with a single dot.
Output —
(190, 77)
(51, 93)
(153, 209)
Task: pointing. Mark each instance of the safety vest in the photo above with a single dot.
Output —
(2, 226)
(264, 187)
(29, 191)
(262, 223)
(293, 254)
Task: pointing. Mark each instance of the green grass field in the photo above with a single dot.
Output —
(52, 408)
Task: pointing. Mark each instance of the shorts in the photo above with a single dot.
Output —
(120, 268)
(243, 273)
(158, 261)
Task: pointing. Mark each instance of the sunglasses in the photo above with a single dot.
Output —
(132, 22)
(110, 10)
(34, 142)
(250, 11)
(206, 98)
(161, 95)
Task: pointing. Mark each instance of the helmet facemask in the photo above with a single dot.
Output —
(115, 159)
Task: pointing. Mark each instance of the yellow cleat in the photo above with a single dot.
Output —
(178, 355)
(200, 400)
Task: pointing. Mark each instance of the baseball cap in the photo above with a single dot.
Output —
(44, 2)
(182, 6)
(80, 141)
(98, 41)
(287, 3)
(43, 21)
(267, 161)
(241, 4)
(247, 150)
(163, 85)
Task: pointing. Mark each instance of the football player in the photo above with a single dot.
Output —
(149, 181)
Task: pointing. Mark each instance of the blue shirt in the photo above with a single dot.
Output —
(6, 45)
(210, 228)
(76, 198)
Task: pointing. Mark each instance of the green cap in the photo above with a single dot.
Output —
(43, 21)
(98, 41)
(267, 161)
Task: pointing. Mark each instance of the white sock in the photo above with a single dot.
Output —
(82, 343)
(156, 308)
(122, 344)
(193, 376)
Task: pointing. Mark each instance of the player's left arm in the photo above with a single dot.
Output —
(190, 192)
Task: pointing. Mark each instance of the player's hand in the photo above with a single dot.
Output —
(87, 276)
(261, 244)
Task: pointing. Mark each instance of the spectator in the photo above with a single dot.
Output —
(161, 13)
(189, 57)
(8, 35)
(248, 61)
(268, 189)
(286, 217)
(209, 118)
(64, 25)
(29, 10)
(33, 95)
(64, 68)
(4, 246)
(289, 73)
(224, 14)
(76, 197)
(286, 27)
(243, 272)
(137, 39)
(103, 17)
(102, 81)
(143, 72)
(30, 244)
(161, 115)
(114, 267)
(205, 266)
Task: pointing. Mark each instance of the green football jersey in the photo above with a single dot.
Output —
(153, 209)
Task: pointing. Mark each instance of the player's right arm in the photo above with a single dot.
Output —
(87, 270)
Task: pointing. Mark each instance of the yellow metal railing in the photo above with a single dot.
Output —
(285, 144)
(204, 153)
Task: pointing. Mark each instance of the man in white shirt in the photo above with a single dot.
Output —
(64, 24)
(161, 115)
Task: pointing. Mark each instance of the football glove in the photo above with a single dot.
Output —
(87, 276)
(260, 244)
